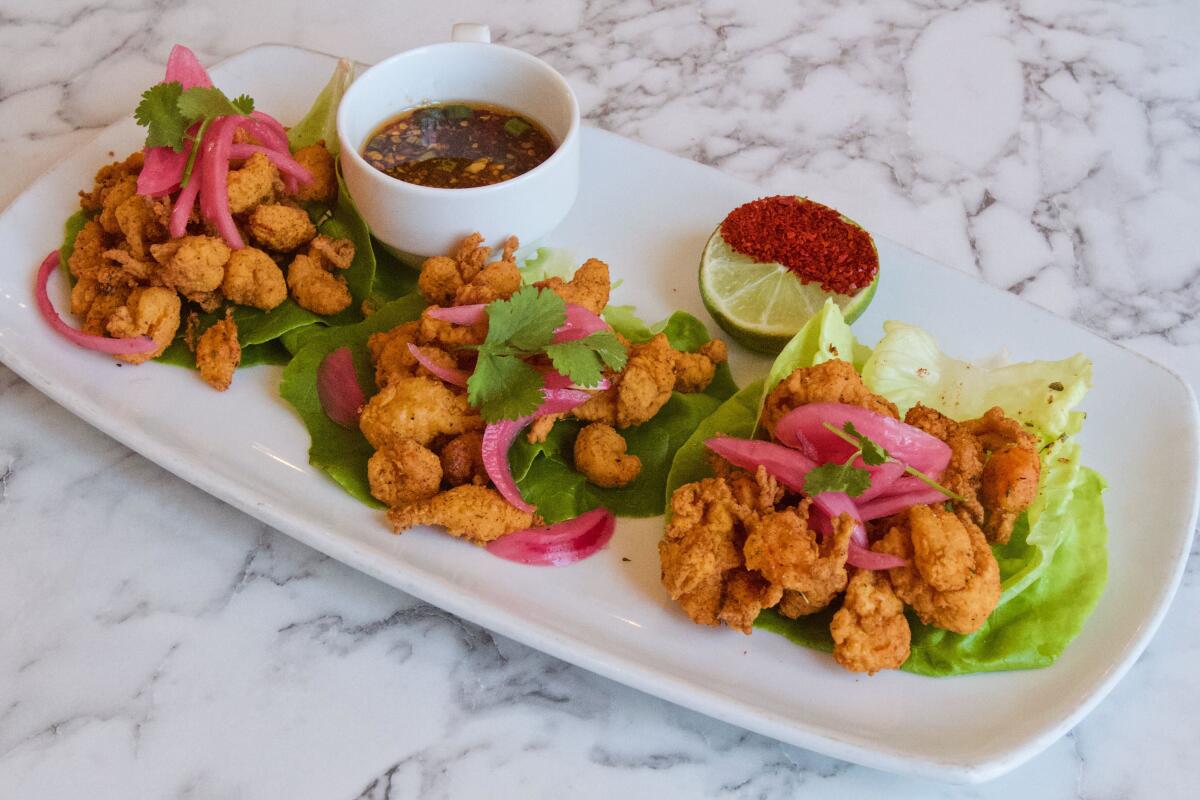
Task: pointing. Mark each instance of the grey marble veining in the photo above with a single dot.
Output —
(157, 643)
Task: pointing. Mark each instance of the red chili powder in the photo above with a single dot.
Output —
(808, 238)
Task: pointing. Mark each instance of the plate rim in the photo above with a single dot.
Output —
(438, 591)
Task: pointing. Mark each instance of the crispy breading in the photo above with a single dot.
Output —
(446, 334)
(462, 460)
(474, 513)
(600, 455)
(832, 381)
(136, 269)
(250, 184)
(87, 259)
(699, 542)
(218, 353)
(252, 278)
(439, 280)
(961, 610)
(470, 255)
(279, 227)
(870, 631)
(746, 595)
(539, 429)
(404, 472)
(781, 547)
(152, 312)
(333, 253)
(118, 193)
(962, 474)
(94, 304)
(139, 224)
(758, 492)
(695, 371)
(589, 287)
(639, 391)
(1009, 481)
(317, 159)
(393, 360)
(416, 408)
(198, 265)
(499, 280)
(107, 177)
(315, 288)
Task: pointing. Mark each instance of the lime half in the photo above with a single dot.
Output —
(762, 305)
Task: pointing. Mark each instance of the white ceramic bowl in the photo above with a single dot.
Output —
(421, 220)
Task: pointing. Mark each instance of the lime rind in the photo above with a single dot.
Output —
(762, 305)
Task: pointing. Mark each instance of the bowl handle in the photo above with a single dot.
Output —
(470, 32)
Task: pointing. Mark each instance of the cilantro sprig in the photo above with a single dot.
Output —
(169, 112)
(852, 480)
(504, 385)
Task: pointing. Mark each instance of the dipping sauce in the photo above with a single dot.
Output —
(458, 145)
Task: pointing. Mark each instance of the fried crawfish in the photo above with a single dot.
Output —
(832, 381)
(600, 454)
(474, 513)
(870, 631)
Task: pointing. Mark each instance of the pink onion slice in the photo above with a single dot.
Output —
(883, 479)
(451, 375)
(162, 169)
(858, 553)
(101, 344)
(338, 389)
(184, 67)
(215, 179)
(287, 165)
(499, 436)
(460, 315)
(580, 323)
(890, 504)
(182, 210)
(905, 443)
(270, 132)
(559, 544)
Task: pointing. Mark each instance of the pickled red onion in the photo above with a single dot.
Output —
(286, 165)
(182, 210)
(905, 443)
(581, 322)
(338, 389)
(499, 436)
(451, 375)
(890, 504)
(559, 544)
(102, 344)
(460, 315)
(858, 553)
(184, 67)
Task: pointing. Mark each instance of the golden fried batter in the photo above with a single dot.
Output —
(109, 176)
(499, 280)
(252, 278)
(639, 391)
(251, 184)
(317, 159)
(198, 265)
(404, 473)
(94, 304)
(781, 547)
(699, 544)
(218, 353)
(1009, 482)
(152, 312)
(416, 408)
(439, 280)
(695, 371)
(448, 335)
(970, 564)
(393, 359)
(474, 513)
(870, 631)
(588, 288)
(466, 277)
(961, 475)
(87, 258)
(462, 460)
(282, 228)
(139, 224)
(539, 429)
(758, 492)
(829, 382)
(600, 455)
(333, 253)
(315, 288)
(117, 194)
(746, 595)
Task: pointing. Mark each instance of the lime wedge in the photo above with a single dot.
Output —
(762, 305)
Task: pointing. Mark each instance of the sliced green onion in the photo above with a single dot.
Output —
(458, 112)
(516, 126)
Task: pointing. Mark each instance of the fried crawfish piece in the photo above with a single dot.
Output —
(952, 579)
(870, 631)
(784, 550)
(833, 381)
(475, 513)
(218, 353)
(600, 454)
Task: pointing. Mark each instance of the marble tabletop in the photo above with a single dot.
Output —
(154, 642)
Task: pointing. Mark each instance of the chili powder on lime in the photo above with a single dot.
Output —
(810, 239)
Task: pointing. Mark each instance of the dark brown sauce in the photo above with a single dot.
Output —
(458, 145)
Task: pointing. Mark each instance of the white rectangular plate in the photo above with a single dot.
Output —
(648, 214)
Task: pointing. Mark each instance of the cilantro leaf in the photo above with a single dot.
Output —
(200, 102)
(845, 478)
(609, 348)
(504, 387)
(244, 103)
(575, 360)
(526, 321)
(872, 453)
(159, 112)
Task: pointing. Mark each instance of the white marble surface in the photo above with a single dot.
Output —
(156, 643)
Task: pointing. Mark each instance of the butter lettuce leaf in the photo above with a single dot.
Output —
(341, 452)
(320, 123)
(547, 477)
